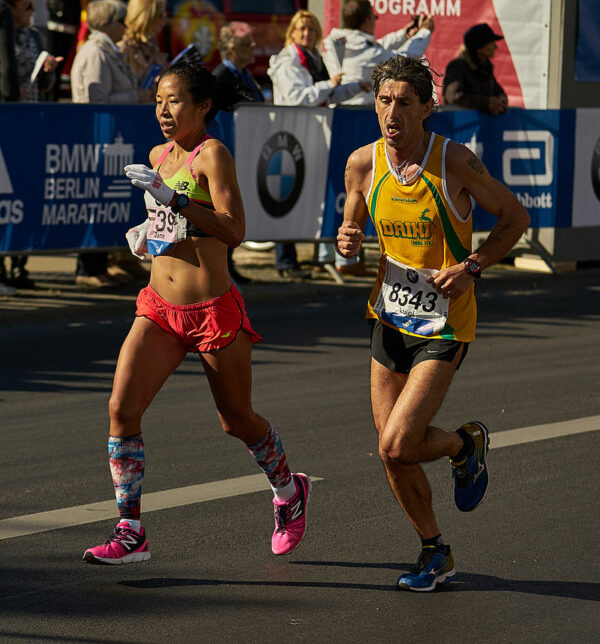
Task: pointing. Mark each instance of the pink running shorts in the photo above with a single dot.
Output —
(201, 327)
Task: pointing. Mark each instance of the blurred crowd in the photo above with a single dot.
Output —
(110, 51)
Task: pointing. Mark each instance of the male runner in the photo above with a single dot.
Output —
(417, 187)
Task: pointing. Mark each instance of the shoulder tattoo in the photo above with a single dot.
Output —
(476, 164)
(347, 172)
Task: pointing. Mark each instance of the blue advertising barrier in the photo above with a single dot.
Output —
(520, 148)
(587, 55)
(65, 189)
(62, 185)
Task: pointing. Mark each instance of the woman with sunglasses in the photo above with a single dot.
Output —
(195, 212)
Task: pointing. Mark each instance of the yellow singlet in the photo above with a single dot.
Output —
(418, 226)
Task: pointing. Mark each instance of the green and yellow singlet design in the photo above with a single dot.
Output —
(418, 226)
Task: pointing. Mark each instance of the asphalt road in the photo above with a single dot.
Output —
(526, 562)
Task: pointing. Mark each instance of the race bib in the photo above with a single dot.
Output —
(166, 228)
(408, 302)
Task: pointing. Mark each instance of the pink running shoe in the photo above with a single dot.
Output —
(290, 518)
(123, 547)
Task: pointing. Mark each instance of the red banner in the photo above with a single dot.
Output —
(452, 18)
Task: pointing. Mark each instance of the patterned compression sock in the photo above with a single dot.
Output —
(126, 458)
(270, 457)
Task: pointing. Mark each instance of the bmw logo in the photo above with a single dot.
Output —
(280, 173)
(596, 169)
(412, 276)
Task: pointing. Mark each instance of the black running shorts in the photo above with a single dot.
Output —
(401, 352)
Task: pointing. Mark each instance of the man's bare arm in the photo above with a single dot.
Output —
(468, 171)
(357, 174)
(495, 197)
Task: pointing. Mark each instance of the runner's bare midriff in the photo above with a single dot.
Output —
(193, 271)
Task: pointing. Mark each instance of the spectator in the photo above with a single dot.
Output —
(28, 46)
(100, 75)
(237, 49)
(144, 21)
(469, 81)
(9, 81)
(354, 50)
(298, 72)
(300, 77)
(64, 18)
(9, 91)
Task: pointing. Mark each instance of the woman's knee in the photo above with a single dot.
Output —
(123, 413)
(237, 423)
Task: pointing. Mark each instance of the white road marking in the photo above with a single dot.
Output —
(79, 515)
(544, 432)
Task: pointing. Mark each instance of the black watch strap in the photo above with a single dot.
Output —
(180, 201)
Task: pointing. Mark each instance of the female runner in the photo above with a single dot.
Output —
(190, 304)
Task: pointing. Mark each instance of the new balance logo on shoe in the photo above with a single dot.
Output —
(296, 510)
(128, 541)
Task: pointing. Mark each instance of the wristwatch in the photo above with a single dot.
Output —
(179, 202)
(473, 267)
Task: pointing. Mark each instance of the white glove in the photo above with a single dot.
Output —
(136, 238)
(144, 177)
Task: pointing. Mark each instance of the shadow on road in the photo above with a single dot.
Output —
(177, 582)
(30, 637)
(465, 582)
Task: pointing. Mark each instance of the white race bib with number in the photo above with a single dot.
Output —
(408, 302)
(166, 228)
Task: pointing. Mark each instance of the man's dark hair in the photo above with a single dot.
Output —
(355, 12)
(414, 71)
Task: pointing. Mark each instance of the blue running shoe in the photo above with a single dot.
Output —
(471, 476)
(434, 566)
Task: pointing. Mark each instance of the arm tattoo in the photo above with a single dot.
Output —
(476, 164)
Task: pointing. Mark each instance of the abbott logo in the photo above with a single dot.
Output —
(528, 153)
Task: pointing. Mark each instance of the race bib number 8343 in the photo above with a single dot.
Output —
(408, 302)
